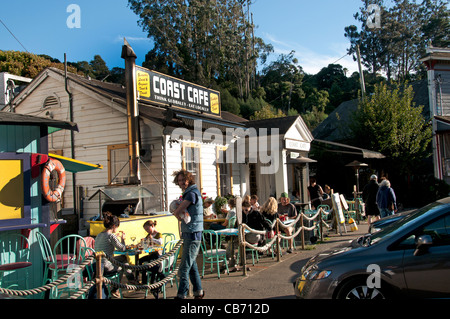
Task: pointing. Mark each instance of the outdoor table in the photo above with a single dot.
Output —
(208, 222)
(136, 252)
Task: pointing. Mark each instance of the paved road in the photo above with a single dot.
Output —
(268, 279)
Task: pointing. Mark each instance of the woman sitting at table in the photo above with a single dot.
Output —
(255, 220)
(231, 213)
(153, 237)
(208, 212)
(270, 209)
(107, 241)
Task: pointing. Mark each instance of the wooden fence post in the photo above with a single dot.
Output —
(99, 277)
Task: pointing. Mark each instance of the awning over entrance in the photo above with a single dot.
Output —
(75, 166)
(348, 149)
(442, 123)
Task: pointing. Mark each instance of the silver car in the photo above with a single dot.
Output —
(409, 258)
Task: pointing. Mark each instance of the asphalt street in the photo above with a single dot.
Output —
(268, 279)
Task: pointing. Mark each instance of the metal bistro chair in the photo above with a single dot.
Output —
(47, 257)
(91, 272)
(167, 237)
(211, 252)
(231, 223)
(69, 251)
(167, 266)
(14, 259)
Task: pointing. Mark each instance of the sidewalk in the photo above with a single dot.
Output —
(268, 278)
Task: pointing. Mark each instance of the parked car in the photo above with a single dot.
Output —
(408, 258)
(385, 221)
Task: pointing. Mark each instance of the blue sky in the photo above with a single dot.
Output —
(314, 29)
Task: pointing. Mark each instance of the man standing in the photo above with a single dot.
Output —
(370, 200)
(191, 233)
(315, 193)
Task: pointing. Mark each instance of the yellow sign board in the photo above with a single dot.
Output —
(163, 89)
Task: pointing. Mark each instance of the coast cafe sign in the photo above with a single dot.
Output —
(162, 89)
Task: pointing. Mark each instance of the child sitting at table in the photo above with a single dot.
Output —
(154, 237)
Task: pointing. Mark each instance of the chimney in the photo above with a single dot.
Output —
(132, 113)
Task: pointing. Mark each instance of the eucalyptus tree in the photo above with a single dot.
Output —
(204, 41)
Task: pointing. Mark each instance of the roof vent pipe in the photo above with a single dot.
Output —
(132, 113)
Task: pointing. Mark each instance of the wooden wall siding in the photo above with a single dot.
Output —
(444, 100)
(19, 138)
(99, 126)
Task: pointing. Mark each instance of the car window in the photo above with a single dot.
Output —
(391, 229)
(439, 230)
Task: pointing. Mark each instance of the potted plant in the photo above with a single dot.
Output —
(219, 204)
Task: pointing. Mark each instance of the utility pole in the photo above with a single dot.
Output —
(361, 75)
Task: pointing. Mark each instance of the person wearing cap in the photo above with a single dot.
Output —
(285, 207)
(369, 196)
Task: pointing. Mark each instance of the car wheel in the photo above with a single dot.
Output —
(358, 289)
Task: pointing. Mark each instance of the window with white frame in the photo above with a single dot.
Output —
(191, 161)
(118, 164)
(224, 173)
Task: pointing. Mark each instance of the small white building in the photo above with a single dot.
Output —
(170, 138)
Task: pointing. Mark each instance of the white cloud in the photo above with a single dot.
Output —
(311, 60)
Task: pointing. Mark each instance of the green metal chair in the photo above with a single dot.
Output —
(211, 252)
(87, 251)
(14, 261)
(167, 266)
(48, 258)
(167, 237)
(69, 251)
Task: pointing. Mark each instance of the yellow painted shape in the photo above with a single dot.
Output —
(11, 189)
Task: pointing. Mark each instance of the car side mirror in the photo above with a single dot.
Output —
(423, 243)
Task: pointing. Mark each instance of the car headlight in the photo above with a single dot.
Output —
(318, 274)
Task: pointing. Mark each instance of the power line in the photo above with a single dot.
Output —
(13, 35)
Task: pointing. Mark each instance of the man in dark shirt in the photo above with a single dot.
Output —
(315, 193)
(286, 208)
(255, 220)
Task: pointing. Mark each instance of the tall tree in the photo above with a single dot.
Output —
(282, 82)
(390, 123)
(203, 41)
(406, 28)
